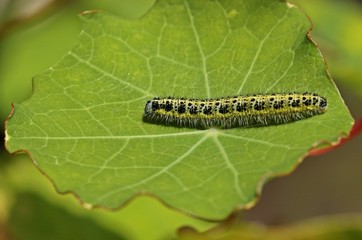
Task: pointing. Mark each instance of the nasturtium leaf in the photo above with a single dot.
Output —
(83, 125)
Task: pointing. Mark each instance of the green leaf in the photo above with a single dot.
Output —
(47, 38)
(20, 177)
(38, 40)
(83, 125)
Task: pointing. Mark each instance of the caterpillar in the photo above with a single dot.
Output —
(238, 111)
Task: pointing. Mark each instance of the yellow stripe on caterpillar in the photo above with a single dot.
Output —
(239, 111)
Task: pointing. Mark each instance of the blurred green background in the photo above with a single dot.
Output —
(35, 34)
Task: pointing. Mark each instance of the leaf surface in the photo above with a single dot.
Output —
(83, 125)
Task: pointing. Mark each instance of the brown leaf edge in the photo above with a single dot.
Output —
(356, 129)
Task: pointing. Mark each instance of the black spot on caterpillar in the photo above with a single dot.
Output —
(230, 112)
